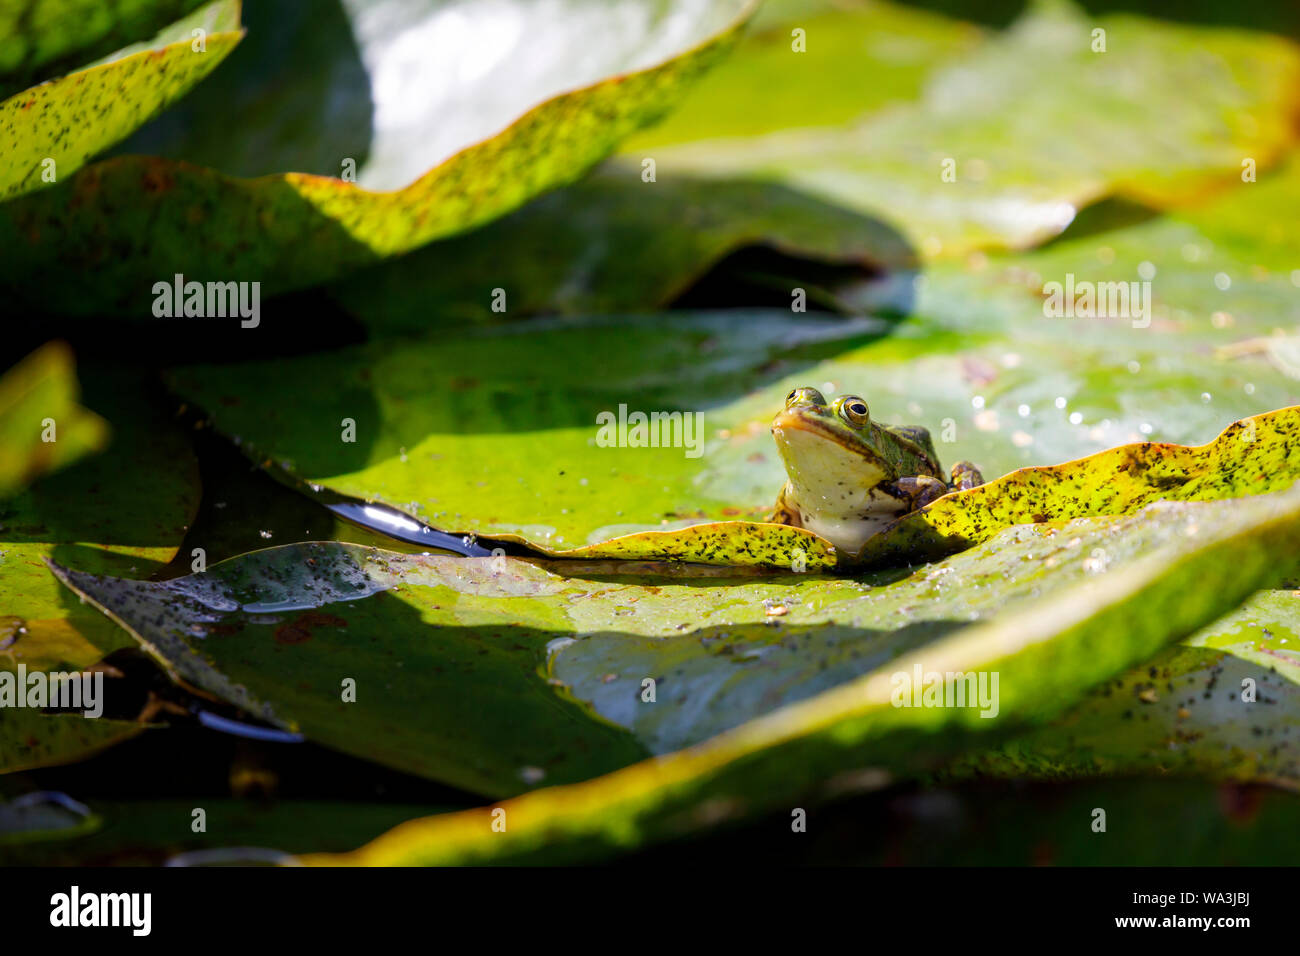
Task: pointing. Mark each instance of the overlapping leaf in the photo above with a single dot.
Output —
(559, 254)
(281, 632)
(154, 832)
(525, 672)
(613, 243)
(858, 58)
(1225, 703)
(456, 432)
(1253, 456)
(49, 131)
(1006, 144)
(1070, 637)
(46, 37)
(467, 124)
(42, 428)
(452, 432)
(121, 512)
(28, 736)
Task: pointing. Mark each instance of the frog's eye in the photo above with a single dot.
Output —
(854, 410)
(804, 396)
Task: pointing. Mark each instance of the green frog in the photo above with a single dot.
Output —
(850, 477)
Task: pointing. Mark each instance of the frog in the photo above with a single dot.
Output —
(850, 477)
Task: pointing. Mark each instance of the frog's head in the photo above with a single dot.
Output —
(834, 454)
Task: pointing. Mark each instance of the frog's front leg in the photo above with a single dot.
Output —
(964, 476)
(785, 511)
(921, 490)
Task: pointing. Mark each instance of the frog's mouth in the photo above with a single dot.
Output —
(805, 418)
(819, 465)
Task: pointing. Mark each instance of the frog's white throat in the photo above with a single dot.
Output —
(838, 493)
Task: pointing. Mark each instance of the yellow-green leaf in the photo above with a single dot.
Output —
(494, 141)
(1251, 457)
(49, 131)
(47, 37)
(857, 734)
(42, 428)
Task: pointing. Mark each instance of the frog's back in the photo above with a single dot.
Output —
(927, 459)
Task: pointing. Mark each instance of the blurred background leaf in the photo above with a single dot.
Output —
(50, 130)
(459, 134)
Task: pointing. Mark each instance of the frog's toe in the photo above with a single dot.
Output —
(965, 475)
(922, 489)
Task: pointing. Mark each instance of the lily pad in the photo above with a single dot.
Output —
(38, 400)
(1221, 274)
(610, 244)
(98, 515)
(40, 816)
(1006, 144)
(496, 674)
(30, 737)
(153, 832)
(557, 250)
(51, 130)
(56, 36)
(858, 58)
(1253, 456)
(451, 432)
(280, 632)
(492, 129)
(509, 399)
(1222, 704)
(1081, 633)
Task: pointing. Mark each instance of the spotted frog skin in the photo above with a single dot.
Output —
(850, 477)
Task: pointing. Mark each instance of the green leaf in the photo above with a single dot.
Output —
(151, 832)
(859, 58)
(51, 130)
(495, 432)
(446, 685)
(56, 36)
(457, 149)
(38, 399)
(1221, 704)
(1035, 124)
(34, 819)
(1077, 634)
(29, 737)
(99, 515)
(530, 673)
(976, 361)
(452, 432)
(1253, 456)
(610, 244)
(1221, 274)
